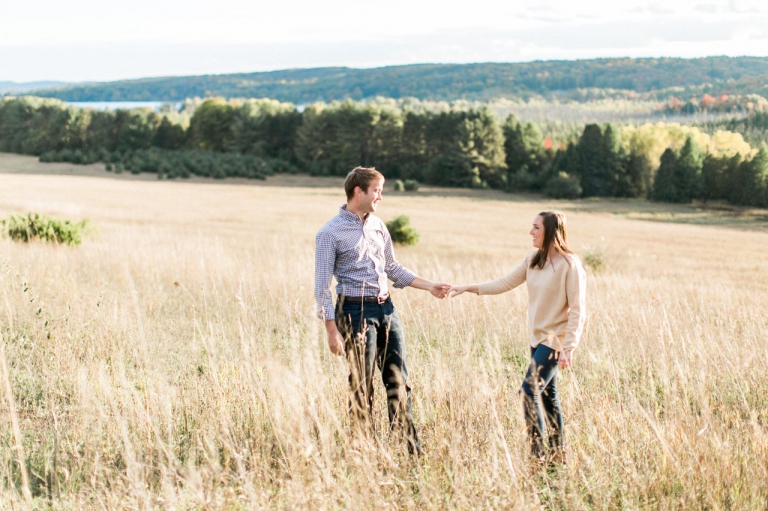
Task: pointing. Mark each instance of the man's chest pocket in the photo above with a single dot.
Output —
(375, 243)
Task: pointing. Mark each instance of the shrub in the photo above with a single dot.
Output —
(399, 186)
(594, 259)
(401, 231)
(43, 228)
(522, 180)
(563, 186)
(48, 157)
(411, 185)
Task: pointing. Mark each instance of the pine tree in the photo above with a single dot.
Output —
(664, 184)
(636, 181)
(592, 165)
(687, 175)
(751, 184)
(718, 176)
(526, 158)
(613, 175)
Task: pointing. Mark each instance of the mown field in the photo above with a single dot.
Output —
(172, 361)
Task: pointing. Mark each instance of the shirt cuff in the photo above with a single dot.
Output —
(402, 277)
(326, 312)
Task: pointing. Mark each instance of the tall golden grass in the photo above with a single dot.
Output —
(174, 361)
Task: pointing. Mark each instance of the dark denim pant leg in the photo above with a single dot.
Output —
(541, 401)
(359, 325)
(394, 373)
(373, 333)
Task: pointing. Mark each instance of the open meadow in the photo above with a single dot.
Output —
(173, 360)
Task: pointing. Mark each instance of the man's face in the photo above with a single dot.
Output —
(369, 200)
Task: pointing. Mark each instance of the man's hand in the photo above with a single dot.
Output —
(439, 290)
(335, 340)
(565, 359)
(436, 289)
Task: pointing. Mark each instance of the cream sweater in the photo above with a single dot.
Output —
(556, 299)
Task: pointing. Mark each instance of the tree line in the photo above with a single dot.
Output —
(459, 148)
(659, 77)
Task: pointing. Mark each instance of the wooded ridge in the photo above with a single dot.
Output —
(580, 80)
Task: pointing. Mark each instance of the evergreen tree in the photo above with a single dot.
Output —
(387, 143)
(211, 125)
(415, 156)
(613, 174)
(311, 141)
(752, 181)
(265, 128)
(169, 135)
(526, 159)
(687, 175)
(636, 181)
(664, 184)
(593, 162)
(718, 175)
(483, 148)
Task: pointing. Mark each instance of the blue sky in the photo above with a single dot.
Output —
(85, 40)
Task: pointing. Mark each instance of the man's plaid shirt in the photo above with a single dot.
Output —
(359, 255)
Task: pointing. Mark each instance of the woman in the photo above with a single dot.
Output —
(556, 284)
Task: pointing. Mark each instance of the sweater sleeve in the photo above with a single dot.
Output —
(507, 282)
(576, 295)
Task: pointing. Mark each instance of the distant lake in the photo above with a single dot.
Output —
(124, 105)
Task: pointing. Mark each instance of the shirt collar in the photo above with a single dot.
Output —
(348, 215)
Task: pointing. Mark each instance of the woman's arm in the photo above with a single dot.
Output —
(495, 287)
(506, 283)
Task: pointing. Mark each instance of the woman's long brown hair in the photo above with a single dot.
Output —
(555, 236)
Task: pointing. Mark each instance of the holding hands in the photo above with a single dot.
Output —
(457, 290)
(439, 290)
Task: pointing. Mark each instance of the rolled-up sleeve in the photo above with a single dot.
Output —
(325, 259)
(396, 272)
(576, 294)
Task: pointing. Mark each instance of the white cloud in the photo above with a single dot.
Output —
(710, 8)
(90, 40)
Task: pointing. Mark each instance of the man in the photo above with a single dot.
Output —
(356, 248)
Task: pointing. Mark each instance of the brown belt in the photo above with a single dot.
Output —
(364, 299)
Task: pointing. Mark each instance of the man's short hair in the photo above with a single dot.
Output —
(362, 177)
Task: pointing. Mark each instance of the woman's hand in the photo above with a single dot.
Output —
(457, 290)
(565, 359)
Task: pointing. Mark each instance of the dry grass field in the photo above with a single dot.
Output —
(172, 361)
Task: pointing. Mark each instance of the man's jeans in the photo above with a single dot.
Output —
(373, 335)
(541, 401)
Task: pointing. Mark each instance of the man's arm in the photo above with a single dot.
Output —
(335, 340)
(402, 276)
(437, 289)
(325, 260)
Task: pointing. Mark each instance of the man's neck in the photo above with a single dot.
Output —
(353, 208)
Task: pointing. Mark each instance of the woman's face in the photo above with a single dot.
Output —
(537, 232)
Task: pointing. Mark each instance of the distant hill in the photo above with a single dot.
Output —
(15, 88)
(581, 79)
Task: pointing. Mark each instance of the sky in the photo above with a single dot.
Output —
(90, 40)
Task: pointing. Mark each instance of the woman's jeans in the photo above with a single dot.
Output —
(541, 401)
(373, 335)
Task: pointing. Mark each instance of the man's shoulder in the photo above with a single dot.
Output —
(335, 221)
(329, 227)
